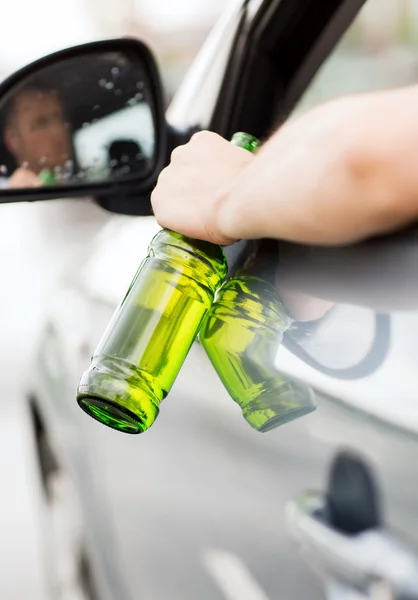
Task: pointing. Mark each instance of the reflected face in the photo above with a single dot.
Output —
(38, 134)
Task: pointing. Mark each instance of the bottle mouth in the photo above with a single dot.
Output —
(112, 415)
(253, 297)
(275, 408)
(119, 396)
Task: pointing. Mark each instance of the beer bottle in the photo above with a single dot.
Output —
(241, 335)
(147, 341)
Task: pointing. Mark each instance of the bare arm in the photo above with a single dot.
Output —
(339, 173)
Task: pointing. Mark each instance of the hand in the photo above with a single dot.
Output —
(185, 198)
(24, 178)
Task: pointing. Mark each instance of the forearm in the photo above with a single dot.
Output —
(355, 174)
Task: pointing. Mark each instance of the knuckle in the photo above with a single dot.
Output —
(157, 213)
(202, 136)
(160, 215)
(178, 152)
(154, 204)
(206, 139)
(162, 177)
(155, 198)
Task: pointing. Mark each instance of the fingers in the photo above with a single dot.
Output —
(24, 178)
(185, 198)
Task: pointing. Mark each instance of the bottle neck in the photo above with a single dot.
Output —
(202, 261)
(255, 300)
(246, 141)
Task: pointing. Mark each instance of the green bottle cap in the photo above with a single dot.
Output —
(47, 177)
(246, 141)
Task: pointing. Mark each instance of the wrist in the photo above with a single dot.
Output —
(232, 216)
(227, 216)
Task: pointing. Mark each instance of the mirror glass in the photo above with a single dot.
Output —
(83, 119)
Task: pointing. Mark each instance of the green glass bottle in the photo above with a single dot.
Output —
(147, 341)
(145, 344)
(241, 336)
(47, 177)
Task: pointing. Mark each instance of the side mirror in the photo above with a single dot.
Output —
(85, 121)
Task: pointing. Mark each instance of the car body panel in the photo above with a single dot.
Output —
(165, 509)
(201, 437)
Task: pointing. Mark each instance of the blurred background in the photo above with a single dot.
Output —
(39, 242)
(174, 30)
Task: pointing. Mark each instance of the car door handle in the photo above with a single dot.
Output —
(364, 561)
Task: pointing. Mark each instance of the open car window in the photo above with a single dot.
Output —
(377, 52)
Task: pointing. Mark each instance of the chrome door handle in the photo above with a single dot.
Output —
(365, 561)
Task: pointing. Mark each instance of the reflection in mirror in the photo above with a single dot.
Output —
(82, 119)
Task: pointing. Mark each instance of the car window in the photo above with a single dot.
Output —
(377, 52)
(93, 140)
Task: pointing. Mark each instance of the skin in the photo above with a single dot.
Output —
(24, 178)
(37, 136)
(339, 173)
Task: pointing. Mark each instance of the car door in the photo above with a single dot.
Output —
(354, 335)
(203, 506)
(352, 343)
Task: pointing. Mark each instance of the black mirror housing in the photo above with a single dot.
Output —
(124, 192)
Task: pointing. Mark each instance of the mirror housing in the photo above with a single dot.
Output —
(123, 192)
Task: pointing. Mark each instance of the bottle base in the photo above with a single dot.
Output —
(283, 419)
(111, 414)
